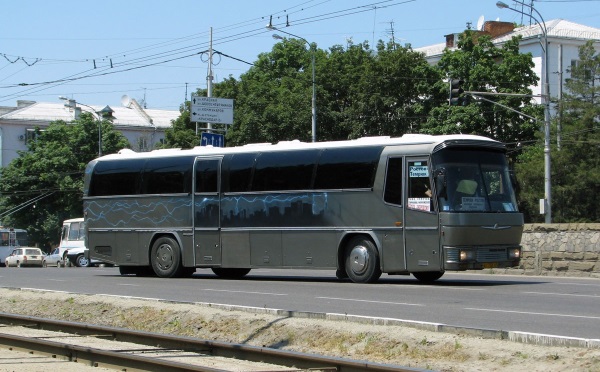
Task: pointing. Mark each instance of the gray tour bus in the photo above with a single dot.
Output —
(417, 204)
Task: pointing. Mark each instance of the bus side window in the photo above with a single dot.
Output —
(74, 231)
(419, 187)
(393, 182)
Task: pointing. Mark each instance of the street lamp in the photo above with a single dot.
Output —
(546, 97)
(314, 93)
(73, 103)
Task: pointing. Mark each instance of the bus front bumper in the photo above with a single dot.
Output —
(479, 258)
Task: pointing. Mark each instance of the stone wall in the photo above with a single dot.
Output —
(560, 249)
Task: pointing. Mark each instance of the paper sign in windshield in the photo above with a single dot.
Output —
(473, 203)
(418, 171)
(422, 204)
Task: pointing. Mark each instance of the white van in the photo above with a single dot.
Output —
(72, 244)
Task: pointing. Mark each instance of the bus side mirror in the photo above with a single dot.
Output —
(439, 176)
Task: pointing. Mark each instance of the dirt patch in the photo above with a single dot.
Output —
(383, 344)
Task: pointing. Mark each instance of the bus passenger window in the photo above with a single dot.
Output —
(207, 176)
(419, 188)
(393, 182)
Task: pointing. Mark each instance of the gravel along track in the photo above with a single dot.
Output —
(15, 360)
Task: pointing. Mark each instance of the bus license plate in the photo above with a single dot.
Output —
(490, 265)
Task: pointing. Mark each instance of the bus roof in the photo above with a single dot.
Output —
(78, 219)
(407, 139)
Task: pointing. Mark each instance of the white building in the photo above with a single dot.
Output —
(564, 39)
(144, 128)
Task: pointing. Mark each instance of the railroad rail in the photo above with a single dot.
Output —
(127, 361)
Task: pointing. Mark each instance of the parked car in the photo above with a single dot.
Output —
(55, 258)
(25, 256)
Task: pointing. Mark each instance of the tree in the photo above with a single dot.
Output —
(53, 167)
(576, 166)
(375, 93)
(183, 132)
(360, 92)
(486, 68)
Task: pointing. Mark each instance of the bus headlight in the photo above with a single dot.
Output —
(466, 255)
(514, 253)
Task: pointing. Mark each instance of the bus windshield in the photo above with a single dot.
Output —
(473, 181)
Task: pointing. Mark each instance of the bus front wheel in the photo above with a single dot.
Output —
(428, 276)
(165, 258)
(362, 260)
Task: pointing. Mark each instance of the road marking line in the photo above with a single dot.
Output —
(532, 313)
(374, 302)
(262, 293)
(583, 284)
(562, 294)
(457, 288)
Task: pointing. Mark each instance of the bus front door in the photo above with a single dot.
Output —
(207, 211)
(421, 226)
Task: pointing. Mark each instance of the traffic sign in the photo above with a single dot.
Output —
(212, 139)
(212, 110)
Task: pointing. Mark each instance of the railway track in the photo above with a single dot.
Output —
(129, 350)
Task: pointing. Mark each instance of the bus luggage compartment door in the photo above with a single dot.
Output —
(207, 211)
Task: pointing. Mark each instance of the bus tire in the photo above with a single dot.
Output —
(341, 274)
(428, 276)
(362, 260)
(231, 273)
(165, 258)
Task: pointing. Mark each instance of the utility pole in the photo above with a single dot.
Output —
(209, 77)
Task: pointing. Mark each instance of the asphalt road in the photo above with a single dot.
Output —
(561, 306)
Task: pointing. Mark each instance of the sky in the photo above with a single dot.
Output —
(155, 51)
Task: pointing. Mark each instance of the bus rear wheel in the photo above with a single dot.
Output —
(231, 273)
(165, 258)
(362, 260)
(428, 276)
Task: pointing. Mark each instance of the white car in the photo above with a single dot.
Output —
(55, 258)
(25, 256)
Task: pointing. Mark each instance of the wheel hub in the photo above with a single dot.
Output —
(359, 259)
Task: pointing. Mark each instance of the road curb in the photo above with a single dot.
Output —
(513, 336)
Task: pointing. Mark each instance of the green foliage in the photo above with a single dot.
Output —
(359, 92)
(575, 168)
(183, 132)
(54, 163)
(486, 68)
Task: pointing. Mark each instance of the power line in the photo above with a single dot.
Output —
(150, 60)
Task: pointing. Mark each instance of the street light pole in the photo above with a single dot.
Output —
(314, 92)
(546, 98)
(73, 103)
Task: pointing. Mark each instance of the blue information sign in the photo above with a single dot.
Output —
(212, 139)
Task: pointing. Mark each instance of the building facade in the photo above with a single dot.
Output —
(143, 128)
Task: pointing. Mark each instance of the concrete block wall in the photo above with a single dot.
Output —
(559, 249)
